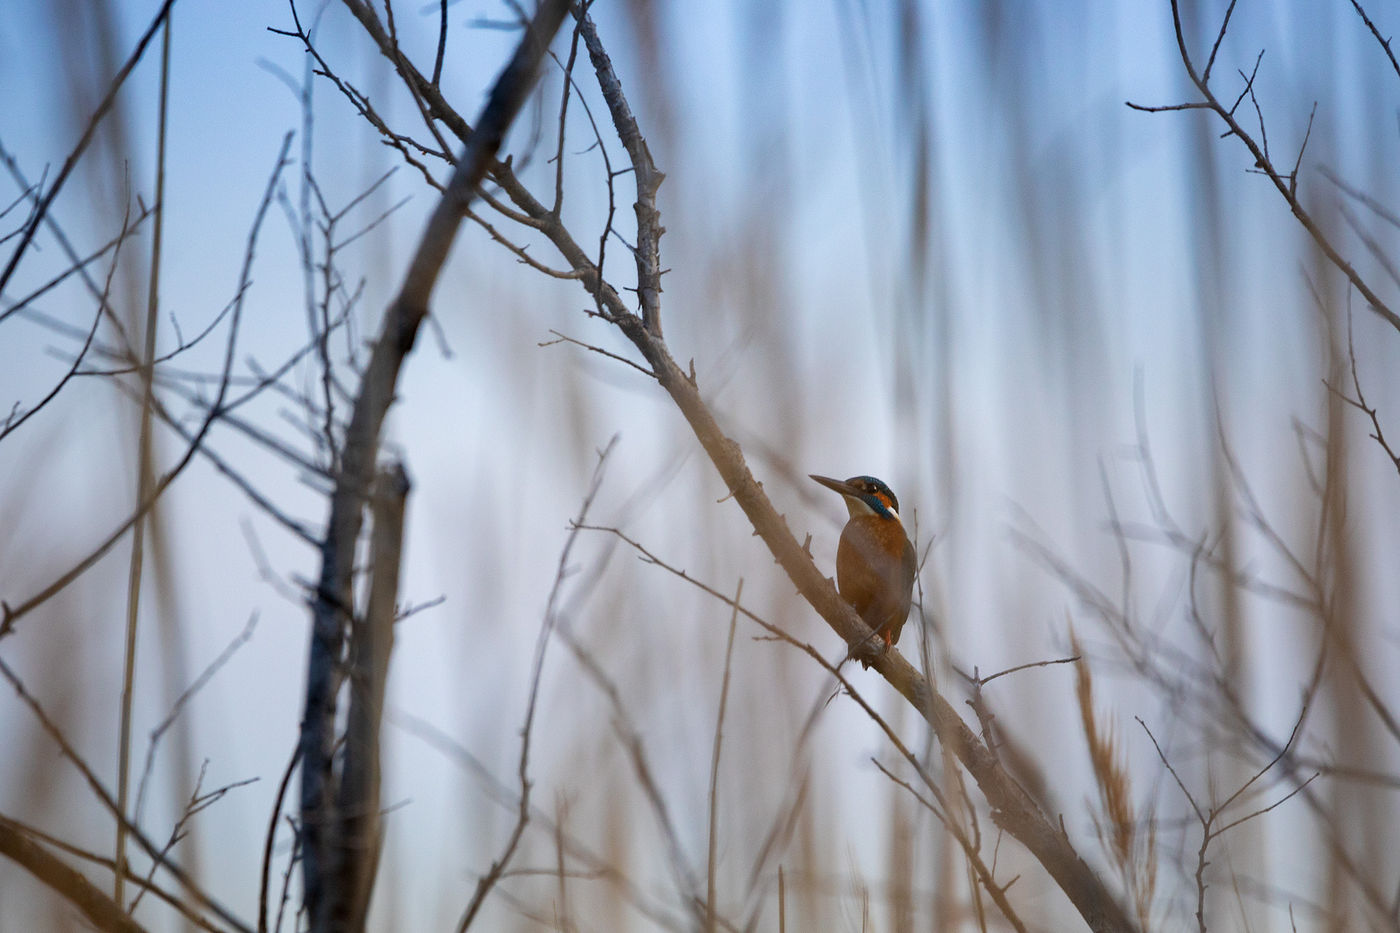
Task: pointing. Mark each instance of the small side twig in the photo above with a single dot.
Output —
(197, 803)
(976, 678)
(547, 628)
(182, 701)
(1211, 818)
(565, 338)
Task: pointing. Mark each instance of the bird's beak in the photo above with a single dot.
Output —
(836, 485)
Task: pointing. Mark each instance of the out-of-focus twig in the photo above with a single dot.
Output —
(714, 762)
(551, 619)
(325, 902)
(101, 911)
(182, 701)
(41, 209)
(110, 804)
(10, 615)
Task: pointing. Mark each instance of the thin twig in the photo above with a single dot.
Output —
(42, 207)
(334, 600)
(9, 615)
(565, 338)
(197, 803)
(983, 681)
(547, 627)
(109, 803)
(271, 836)
(182, 701)
(714, 762)
(1384, 43)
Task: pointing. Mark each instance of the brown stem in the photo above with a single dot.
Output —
(100, 910)
(333, 606)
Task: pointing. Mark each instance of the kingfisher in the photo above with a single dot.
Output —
(875, 562)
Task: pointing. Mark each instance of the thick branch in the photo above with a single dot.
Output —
(100, 910)
(333, 605)
(358, 834)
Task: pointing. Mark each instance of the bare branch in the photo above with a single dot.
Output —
(1220, 37)
(1163, 108)
(1384, 43)
(182, 701)
(976, 678)
(1283, 183)
(564, 338)
(11, 615)
(334, 597)
(649, 229)
(547, 627)
(271, 836)
(100, 910)
(42, 207)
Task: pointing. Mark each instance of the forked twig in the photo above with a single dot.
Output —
(1286, 184)
(334, 601)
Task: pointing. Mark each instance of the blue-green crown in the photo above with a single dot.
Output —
(874, 493)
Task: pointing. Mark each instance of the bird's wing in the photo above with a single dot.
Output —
(909, 568)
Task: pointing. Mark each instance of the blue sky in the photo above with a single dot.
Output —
(1075, 247)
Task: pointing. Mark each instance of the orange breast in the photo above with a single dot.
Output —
(875, 567)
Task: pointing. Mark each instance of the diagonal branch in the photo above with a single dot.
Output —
(1013, 808)
(41, 208)
(1286, 183)
(99, 909)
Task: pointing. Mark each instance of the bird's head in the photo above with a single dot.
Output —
(864, 495)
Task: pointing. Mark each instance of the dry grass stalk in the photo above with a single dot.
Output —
(1133, 853)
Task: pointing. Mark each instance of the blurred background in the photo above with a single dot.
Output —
(1089, 348)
